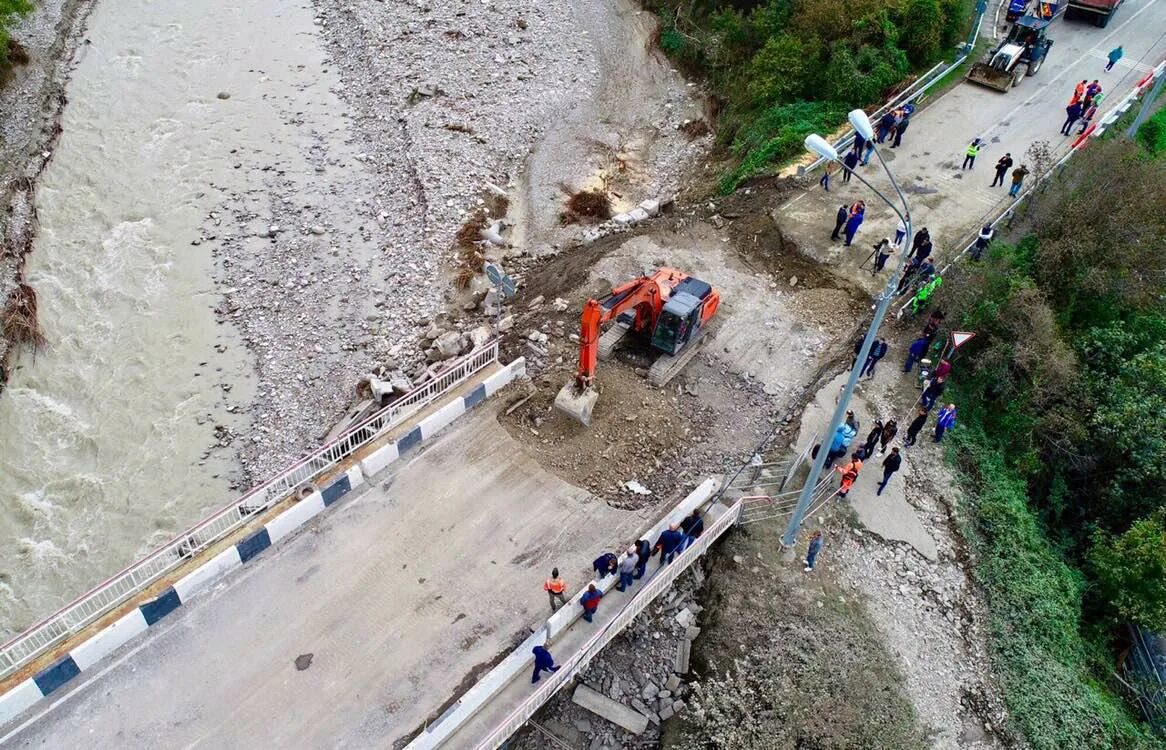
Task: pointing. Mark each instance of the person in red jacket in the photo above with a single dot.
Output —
(590, 601)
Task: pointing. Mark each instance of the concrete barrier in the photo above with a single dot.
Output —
(84, 656)
(521, 660)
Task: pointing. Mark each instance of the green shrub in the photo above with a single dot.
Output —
(10, 10)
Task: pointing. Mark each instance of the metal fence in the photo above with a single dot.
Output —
(1143, 669)
(137, 577)
(660, 581)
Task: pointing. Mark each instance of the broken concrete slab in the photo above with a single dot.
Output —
(683, 653)
(692, 632)
(604, 707)
(672, 683)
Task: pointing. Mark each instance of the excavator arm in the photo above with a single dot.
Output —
(642, 296)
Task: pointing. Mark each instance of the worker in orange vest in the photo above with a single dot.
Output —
(849, 473)
(556, 588)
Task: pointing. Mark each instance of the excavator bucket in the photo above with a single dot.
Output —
(575, 403)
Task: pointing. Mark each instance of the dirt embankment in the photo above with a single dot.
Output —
(31, 102)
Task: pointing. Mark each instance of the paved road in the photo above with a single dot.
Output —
(952, 202)
(397, 595)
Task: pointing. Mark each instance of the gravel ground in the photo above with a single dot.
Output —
(338, 276)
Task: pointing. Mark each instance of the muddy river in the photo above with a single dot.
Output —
(106, 436)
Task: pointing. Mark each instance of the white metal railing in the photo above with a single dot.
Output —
(581, 658)
(114, 591)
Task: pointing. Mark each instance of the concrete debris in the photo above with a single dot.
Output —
(616, 713)
(636, 487)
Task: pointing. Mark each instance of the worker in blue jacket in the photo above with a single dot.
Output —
(944, 421)
(543, 662)
(915, 353)
(669, 544)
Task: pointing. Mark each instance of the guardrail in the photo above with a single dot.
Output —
(581, 658)
(134, 579)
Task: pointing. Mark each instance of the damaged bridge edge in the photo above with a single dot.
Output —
(85, 656)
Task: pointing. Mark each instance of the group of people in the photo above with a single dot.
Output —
(1002, 166)
(1082, 106)
(672, 541)
(848, 220)
(893, 124)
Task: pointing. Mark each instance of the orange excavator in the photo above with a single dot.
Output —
(669, 311)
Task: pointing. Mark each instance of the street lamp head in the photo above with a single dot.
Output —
(861, 124)
(820, 146)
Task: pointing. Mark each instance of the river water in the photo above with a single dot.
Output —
(175, 109)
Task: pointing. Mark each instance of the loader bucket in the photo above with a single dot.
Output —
(575, 403)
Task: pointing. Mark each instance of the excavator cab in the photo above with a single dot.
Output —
(679, 320)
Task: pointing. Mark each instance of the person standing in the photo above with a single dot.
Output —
(627, 568)
(932, 392)
(854, 221)
(1018, 176)
(1072, 115)
(643, 552)
(914, 428)
(899, 130)
(915, 353)
(849, 472)
(556, 588)
(944, 421)
(669, 544)
(1002, 167)
(849, 162)
(813, 550)
(877, 351)
(885, 124)
(824, 180)
(543, 662)
(982, 241)
(866, 152)
(920, 238)
(590, 601)
(1079, 91)
(1088, 115)
(971, 154)
(692, 526)
(840, 219)
(889, 431)
(1114, 55)
(900, 233)
(1092, 91)
(891, 464)
(882, 252)
(872, 438)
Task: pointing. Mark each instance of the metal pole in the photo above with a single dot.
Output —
(807, 495)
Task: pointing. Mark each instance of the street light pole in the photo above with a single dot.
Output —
(820, 146)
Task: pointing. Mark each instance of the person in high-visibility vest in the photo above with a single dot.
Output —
(971, 154)
(556, 588)
(924, 294)
(849, 473)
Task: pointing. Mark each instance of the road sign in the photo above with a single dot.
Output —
(509, 286)
(959, 338)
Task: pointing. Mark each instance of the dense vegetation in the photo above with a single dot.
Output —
(10, 10)
(1063, 397)
(785, 68)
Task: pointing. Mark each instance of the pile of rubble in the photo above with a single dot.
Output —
(646, 670)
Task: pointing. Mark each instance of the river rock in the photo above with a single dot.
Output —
(449, 344)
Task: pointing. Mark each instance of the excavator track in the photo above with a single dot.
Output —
(668, 366)
(610, 339)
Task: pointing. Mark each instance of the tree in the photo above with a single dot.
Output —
(1131, 572)
(777, 73)
(921, 25)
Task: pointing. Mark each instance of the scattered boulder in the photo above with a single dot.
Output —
(448, 344)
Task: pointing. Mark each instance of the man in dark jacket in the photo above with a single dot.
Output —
(839, 220)
(878, 350)
(914, 428)
(849, 162)
(899, 130)
(543, 662)
(872, 439)
(605, 565)
(644, 550)
(915, 353)
(693, 527)
(1002, 168)
(933, 391)
(891, 464)
(669, 544)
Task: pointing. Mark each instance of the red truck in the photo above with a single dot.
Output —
(1097, 11)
